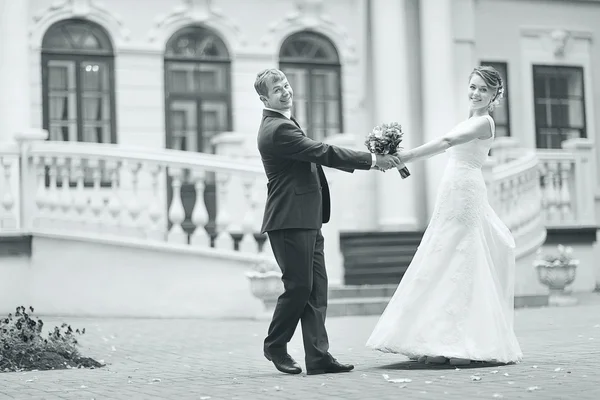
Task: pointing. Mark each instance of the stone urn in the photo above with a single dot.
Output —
(266, 284)
(557, 272)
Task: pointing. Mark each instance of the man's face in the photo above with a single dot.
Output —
(280, 95)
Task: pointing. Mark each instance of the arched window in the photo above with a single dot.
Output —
(197, 104)
(78, 87)
(312, 65)
(198, 89)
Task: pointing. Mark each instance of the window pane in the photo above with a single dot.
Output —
(211, 78)
(575, 110)
(308, 47)
(180, 77)
(541, 114)
(191, 77)
(575, 83)
(325, 91)
(549, 138)
(318, 119)
(184, 128)
(197, 43)
(95, 97)
(562, 106)
(298, 78)
(333, 115)
(77, 36)
(558, 115)
(559, 87)
(62, 101)
(214, 120)
(570, 133)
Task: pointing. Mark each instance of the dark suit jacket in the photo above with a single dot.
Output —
(297, 190)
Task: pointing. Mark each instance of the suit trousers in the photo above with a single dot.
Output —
(299, 253)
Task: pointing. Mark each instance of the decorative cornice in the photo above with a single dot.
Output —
(196, 12)
(92, 10)
(535, 31)
(556, 38)
(309, 14)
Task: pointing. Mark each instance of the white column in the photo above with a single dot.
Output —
(463, 29)
(439, 95)
(396, 198)
(15, 104)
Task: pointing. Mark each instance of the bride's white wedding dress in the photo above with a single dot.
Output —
(457, 297)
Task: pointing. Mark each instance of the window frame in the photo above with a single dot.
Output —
(78, 59)
(310, 66)
(225, 96)
(583, 130)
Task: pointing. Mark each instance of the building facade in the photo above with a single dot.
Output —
(175, 73)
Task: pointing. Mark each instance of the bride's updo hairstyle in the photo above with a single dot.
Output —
(493, 80)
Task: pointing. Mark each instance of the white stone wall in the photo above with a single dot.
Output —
(253, 32)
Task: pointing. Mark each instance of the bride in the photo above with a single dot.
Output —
(455, 302)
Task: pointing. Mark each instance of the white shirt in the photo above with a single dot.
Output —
(288, 115)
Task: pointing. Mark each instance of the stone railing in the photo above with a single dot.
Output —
(131, 194)
(565, 178)
(567, 182)
(10, 192)
(201, 201)
(512, 178)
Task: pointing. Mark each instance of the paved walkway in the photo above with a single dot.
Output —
(208, 359)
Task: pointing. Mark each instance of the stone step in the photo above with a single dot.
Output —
(377, 257)
(361, 291)
(357, 306)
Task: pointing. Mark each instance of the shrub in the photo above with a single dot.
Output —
(23, 347)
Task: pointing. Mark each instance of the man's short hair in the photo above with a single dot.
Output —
(265, 76)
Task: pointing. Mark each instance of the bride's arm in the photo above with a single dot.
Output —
(476, 128)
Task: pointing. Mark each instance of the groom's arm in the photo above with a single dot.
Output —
(289, 142)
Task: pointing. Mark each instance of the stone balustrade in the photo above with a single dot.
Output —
(567, 176)
(132, 194)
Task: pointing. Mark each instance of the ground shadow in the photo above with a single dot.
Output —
(414, 365)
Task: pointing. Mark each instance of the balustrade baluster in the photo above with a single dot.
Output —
(52, 195)
(200, 237)
(566, 209)
(176, 211)
(39, 165)
(80, 199)
(248, 242)
(96, 201)
(64, 195)
(154, 209)
(8, 221)
(223, 241)
(134, 207)
(555, 191)
(114, 205)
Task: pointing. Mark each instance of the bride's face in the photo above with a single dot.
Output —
(480, 95)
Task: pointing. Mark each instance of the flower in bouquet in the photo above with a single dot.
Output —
(386, 139)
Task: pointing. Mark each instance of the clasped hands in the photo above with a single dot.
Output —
(387, 161)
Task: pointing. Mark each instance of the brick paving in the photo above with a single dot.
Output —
(222, 359)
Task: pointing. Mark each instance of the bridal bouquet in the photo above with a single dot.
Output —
(385, 139)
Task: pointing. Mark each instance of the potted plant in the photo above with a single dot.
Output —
(557, 271)
(265, 282)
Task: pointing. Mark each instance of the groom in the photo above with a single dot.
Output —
(297, 205)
